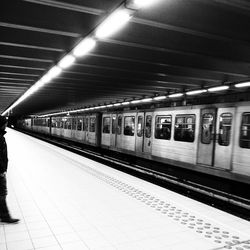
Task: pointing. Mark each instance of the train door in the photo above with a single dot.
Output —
(106, 130)
(139, 137)
(206, 141)
(215, 143)
(113, 130)
(147, 147)
(119, 131)
(224, 143)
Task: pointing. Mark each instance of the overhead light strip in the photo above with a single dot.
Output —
(219, 88)
(242, 85)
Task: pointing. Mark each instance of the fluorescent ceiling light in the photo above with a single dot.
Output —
(144, 3)
(135, 101)
(195, 92)
(242, 85)
(125, 103)
(176, 95)
(158, 98)
(84, 47)
(45, 79)
(117, 104)
(113, 23)
(67, 61)
(147, 100)
(219, 88)
(109, 106)
(54, 72)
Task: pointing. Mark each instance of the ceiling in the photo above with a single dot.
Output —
(173, 46)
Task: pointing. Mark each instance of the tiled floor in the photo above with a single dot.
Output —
(68, 202)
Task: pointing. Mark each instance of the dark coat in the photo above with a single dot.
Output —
(3, 153)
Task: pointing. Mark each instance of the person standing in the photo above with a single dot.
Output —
(4, 211)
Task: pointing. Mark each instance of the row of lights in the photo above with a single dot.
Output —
(110, 25)
(157, 98)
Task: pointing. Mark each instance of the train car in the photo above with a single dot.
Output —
(82, 128)
(211, 139)
(208, 138)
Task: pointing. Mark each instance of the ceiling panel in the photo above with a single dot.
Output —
(173, 46)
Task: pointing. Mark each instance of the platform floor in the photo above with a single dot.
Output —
(66, 201)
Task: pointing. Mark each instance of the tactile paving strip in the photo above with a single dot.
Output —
(225, 239)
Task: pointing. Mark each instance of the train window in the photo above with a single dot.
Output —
(48, 122)
(225, 129)
(106, 125)
(79, 124)
(68, 123)
(184, 128)
(64, 122)
(207, 124)
(84, 124)
(53, 122)
(129, 125)
(163, 127)
(92, 124)
(74, 120)
(61, 122)
(119, 125)
(87, 124)
(245, 131)
(148, 126)
(139, 126)
(113, 124)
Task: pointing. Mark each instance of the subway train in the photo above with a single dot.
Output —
(213, 139)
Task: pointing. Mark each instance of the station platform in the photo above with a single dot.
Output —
(66, 201)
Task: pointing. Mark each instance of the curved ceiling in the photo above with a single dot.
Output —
(175, 45)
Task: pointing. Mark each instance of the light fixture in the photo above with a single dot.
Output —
(125, 103)
(158, 98)
(176, 95)
(45, 79)
(242, 85)
(219, 88)
(67, 61)
(196, 92)
(144, 3)
(135, 101)
(109, 106)
(117, 104)
(84, 47)
(113, 23)
(147, 100)
(54, 72)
